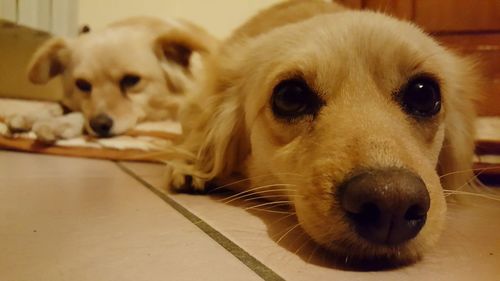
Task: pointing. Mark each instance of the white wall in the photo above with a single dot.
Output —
(219, 17)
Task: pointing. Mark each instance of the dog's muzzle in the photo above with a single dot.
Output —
(386, 207)
(101, 125)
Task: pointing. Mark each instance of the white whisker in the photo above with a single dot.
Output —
(459, 192)
(255, 177)
(243, 195)
(282, 218)
(286, 233)
(251, 190)
(275, 203)
(273, 211)
(469, 170)
(303, 244)
(267, 197)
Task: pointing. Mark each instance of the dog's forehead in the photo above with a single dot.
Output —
(115, 50)
(110, 41)
(365, 32)
(348, 39)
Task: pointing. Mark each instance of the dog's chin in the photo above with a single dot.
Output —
(361, 255)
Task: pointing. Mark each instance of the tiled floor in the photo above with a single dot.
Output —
(78, 219)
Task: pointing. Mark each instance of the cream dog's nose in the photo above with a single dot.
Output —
(101, 125)
(386, 206)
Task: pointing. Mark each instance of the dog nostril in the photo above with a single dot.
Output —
(386, 207)
(101, 124)
(415, 212)
(369, 213)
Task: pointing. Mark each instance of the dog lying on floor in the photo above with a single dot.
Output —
(137, 69)
(357, 119)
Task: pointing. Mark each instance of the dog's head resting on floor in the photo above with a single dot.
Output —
(133, 70)
(358, 114)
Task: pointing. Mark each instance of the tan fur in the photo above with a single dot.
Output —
(147, 47)
(356, 61)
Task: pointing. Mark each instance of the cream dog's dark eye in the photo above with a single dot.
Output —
(293, 98)
(83, 85)
(421, 97)
(129, 81)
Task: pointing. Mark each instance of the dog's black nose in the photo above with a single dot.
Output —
(385, 206)
(101, 125)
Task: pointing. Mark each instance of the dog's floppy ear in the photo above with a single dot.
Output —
(176, 45)
(455, 159)
(179, 42)
(48, 61)
(214, 128)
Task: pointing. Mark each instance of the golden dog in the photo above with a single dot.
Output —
(351, 116)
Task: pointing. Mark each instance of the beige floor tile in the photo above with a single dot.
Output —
(468, 250)
(78, 219)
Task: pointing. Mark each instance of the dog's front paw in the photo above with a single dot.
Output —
(19, 123)
(180, 181)
(45, 132)
(70, 125)
(63, 127)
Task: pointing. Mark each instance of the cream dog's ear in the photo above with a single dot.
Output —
(48, 61)
(455, 159)
(178, 43)
(175, 46)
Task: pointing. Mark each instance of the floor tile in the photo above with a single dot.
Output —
(469, 249)
(79, 219)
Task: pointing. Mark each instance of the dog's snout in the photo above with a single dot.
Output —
(386, 207)
(101, 124)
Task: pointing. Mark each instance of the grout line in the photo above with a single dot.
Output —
(250, 261)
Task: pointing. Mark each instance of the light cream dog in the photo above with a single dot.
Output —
(350, 116)
(133, 70)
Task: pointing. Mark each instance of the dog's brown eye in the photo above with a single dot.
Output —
(129, 81)
(293, 98)
(421, 97)
(83, 85)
